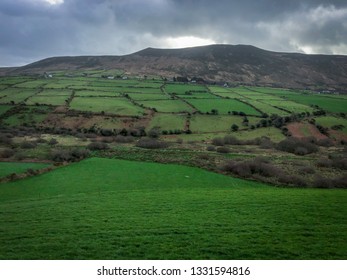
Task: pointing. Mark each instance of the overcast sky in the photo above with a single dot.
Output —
(35, 29)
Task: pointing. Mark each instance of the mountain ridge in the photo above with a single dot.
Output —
(243, 64)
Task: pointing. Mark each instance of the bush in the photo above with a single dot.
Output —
(6, 153)
(306, 170)
(97, 146)
(61, 155)
(124, 139)
(211, 148)
(251, 167)
(327, 142)
(52, 142)
(340, 163)
(151, 143)
(324, 162)
(231, 140)
(28, 145)
(297, 146)
(218, 141)
(223, 150)
(322, 182)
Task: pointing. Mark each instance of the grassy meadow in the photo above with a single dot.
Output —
(136, 210)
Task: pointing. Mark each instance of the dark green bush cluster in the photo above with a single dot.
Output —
(97, 146)
(64, 155)
(151, 143)
(297, 146)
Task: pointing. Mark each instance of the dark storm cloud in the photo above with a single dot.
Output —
(34, 29)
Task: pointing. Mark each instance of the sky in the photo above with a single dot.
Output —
(35, 29)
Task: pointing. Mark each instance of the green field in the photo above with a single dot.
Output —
(327, 103)
(181, 89)
(48, 100)
(111, 105)
(92, 93)
(222, 105)
(168, 122)
(4, 108)
(7, 168)
(147, 96)
(167, 106)
(114, 209)
(205, 123)
(16, 95)
(54, 92)
(330, 121)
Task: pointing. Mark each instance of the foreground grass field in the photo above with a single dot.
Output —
(114, 209)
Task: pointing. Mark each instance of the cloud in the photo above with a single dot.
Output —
(317, 30)
(35, 29)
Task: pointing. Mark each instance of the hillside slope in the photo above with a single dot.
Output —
(232, 63)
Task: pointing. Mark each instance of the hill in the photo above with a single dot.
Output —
(219, 63)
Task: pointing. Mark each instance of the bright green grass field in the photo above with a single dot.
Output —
(16, 95)
(222, 105)
(116, 105)
(183, 88)
(4, 108)
(7, 168)
(167, 106)
(54, 92)
(114, 209)
(330, 104)
(329, 121)
(205, 123)
(48, 100)
(167, 122)
(92, 93)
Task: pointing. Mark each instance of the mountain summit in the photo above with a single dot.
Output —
(220, 63)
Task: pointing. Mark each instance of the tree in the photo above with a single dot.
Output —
(234, 127)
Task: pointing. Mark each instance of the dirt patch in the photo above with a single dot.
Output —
(301, 130)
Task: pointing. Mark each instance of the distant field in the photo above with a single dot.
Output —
(4, 108)
(7, 168)
(92, 93)
(222, 105)
(117, 105)
(34, 84)
(329, 121)
(273, 133)
(265, 107)
(48, 100)
(148, 96)
(54, 92)
(181, 89)
(167, 106)
(327, 103)
(130, 212)
(168, 122)
(291, 106)
(204, 123)
(30, 115)
(16, 95)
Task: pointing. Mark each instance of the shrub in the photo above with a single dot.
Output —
(322, 182)
(6, 153)
(231, 140)
(223, 150)
(306, 170)
(28, 145)
(211, 148)
(297, 146)
(124, 139)
(97, 146)
(61, 155)
(324, 162)
(218, 141)
(327, 142)
(340, 163)
(52, 142)
(151, 143)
